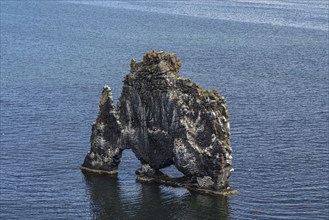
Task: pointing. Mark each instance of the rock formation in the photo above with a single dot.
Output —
(165, 119)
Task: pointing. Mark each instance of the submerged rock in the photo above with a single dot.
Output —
(165, 119)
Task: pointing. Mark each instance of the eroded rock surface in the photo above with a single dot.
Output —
(165, 119)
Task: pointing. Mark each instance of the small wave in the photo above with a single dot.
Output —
(298, 14)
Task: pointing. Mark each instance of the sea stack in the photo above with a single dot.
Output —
(165, 119)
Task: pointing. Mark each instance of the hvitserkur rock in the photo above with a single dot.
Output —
(165, 119)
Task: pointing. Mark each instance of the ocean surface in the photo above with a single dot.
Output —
(269, 58)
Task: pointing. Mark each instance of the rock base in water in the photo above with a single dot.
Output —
(85, 169)
(185, 183)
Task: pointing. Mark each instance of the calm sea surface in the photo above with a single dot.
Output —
(269, 58)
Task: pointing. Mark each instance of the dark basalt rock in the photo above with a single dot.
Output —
(165, 119)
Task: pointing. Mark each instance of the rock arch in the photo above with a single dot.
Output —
(165, 119)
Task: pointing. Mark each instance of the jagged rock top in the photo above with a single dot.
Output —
(159, 66)
(157, 63)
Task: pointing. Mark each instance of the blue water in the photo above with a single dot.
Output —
(269, 58)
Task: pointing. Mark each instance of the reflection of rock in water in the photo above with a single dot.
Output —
(104, 194)
(109, 200)
(166, 205)
(216, 207)
(166, 120)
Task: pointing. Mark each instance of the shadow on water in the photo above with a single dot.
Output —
(110, 199)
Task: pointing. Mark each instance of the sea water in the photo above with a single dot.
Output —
(269, 58)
